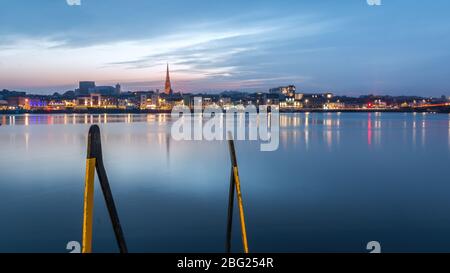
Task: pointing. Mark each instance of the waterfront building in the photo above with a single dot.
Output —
(272, 99)
(103, 90)
(83, 102)
(333, 106)
(316, 100)
(35, 103)
(288, 91)
(16, 101)
(89, 87)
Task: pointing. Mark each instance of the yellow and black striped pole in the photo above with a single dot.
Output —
(235, 183)
(94, 162)
(88, 210)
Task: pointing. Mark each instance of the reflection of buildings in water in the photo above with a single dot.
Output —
(66, 119)
(222, 124)
(338, 128)
(291, 125)
(306, 130)
(284, 121)
(241, 120)
(377, 123)
(66, 139)
(405, 126)
(163, 140)
(416, 125)
(288, 120)
(329, 120)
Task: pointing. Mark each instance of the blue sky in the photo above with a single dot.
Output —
(346, 47)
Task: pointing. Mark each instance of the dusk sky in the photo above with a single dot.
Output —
(346, 47)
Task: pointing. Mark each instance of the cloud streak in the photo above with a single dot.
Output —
(240, 57)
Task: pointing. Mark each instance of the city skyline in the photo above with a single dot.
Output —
(351, 48)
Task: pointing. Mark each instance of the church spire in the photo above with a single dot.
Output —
(168, 88)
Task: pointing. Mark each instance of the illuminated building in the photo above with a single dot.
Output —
(333, 106)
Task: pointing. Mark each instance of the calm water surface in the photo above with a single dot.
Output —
(336, 182)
